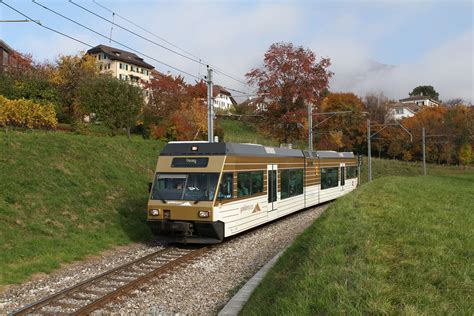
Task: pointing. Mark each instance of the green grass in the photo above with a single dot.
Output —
(398, 245)
(66, 196)
(241, 132)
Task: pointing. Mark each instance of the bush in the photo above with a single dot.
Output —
(26, 113)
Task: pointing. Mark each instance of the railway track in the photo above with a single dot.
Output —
(94, 293)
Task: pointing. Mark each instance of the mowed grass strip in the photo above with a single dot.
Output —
(66, 196)
(397, 245)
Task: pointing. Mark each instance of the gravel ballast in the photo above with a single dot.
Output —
(200, 287)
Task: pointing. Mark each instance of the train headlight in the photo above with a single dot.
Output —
(154, 212)
(203, 214)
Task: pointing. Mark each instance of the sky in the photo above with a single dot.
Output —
(374, 46)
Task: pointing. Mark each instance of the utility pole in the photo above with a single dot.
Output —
(424, 150)
(369, 151)
(310, 127)
(210, 107)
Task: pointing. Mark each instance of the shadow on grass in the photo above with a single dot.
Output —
(133, 219)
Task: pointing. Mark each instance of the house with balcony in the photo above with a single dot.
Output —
(122, 65)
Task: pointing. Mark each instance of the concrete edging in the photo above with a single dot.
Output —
(236, 303)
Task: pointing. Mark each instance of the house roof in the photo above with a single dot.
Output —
(6, 47)
(412, 107)
(120, 55)
(418, 98)
(216, 89)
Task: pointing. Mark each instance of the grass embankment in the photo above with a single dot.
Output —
(396, 245)
(66, 196)
(241, 132)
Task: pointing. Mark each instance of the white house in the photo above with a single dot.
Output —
(122, 64)
(222, 99)
(420, 100)
(401, 110)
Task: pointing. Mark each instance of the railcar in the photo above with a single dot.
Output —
(204, 192)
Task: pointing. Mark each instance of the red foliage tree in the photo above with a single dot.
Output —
(176, 110)
(290, 78)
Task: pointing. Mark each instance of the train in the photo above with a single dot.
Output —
(204, 192)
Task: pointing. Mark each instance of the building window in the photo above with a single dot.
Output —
(126, 67)
(329, 177)
(399, 111)
(291, 183)
(121, 66)
(249, 183)
(227, 186)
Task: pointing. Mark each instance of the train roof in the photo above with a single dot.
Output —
(200, 148)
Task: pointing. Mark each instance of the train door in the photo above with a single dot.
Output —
(272, 185)
(343, 175)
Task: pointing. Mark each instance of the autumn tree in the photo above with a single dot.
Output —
(427, 91)
(347, 131)
(377, 104)
(70, 72)
(290, 78)
(116, 103)
(176, 109)
(465, 154)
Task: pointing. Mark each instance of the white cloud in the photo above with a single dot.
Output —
(448, 67)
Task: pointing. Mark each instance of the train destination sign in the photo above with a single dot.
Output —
(193, 162)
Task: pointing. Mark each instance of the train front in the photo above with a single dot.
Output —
(185, 186)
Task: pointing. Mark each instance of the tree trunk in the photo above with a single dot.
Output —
(128, 132)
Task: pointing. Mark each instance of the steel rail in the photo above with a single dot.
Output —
(110, 295)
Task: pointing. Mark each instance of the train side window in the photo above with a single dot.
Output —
(243, 184)
(329, 178)
(351, 172)
(257, 181)
(227, 186)
(291, 183)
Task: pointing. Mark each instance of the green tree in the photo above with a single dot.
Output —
(427, 91)
(115, 103)
(465, 154)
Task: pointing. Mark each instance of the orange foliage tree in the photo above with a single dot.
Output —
(345, 131)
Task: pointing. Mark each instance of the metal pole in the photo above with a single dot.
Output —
(310, 128)
(210, 107)
(424, 150)
(369, 151)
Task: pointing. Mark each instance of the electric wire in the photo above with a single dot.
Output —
(44, 26)
(144, 29)
(194, 58)
(119, 43)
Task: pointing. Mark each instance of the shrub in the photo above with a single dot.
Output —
(26, 113)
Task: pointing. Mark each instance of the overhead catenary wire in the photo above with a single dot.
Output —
(44, 26)
(144, 29)
(112, 40)
(191, 57)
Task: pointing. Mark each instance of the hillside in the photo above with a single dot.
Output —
(65, 196)
(398, 245)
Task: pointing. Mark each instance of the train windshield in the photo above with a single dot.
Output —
(185, 186)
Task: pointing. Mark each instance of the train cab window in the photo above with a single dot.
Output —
(329, 177)
(291, 183)
(249, 183)
(227, 185)
(184, 186)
